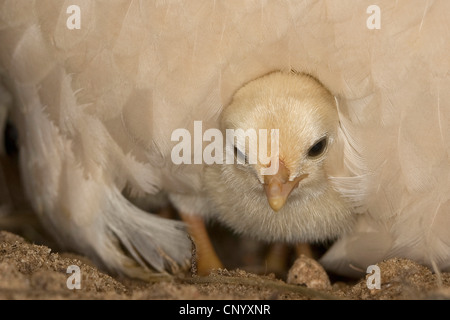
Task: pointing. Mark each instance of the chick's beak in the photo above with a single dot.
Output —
(278, 187)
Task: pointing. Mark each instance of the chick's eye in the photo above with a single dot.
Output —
(318, 148)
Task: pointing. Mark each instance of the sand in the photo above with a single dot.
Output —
(29, 271)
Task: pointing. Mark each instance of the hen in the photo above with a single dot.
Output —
(96, 107)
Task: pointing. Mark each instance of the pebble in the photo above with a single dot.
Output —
(308, 272)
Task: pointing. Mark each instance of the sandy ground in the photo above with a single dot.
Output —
(30, 271)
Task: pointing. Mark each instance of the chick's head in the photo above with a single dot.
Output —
(281, 192)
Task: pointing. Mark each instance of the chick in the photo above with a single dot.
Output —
(298, 202)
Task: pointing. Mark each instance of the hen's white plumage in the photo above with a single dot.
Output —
(97, 106)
